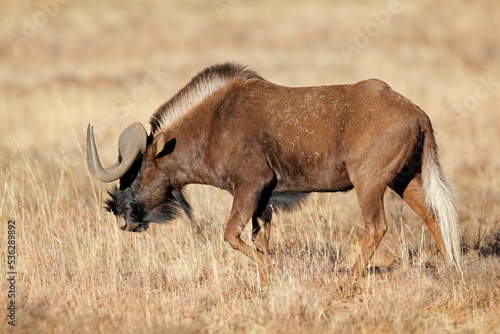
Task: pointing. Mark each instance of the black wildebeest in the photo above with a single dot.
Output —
(270, 145)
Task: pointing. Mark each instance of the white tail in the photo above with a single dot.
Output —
(441, 200)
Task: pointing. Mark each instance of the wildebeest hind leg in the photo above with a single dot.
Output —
(413, 195)
(371, 202)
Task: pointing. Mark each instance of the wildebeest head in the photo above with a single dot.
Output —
(146, 193)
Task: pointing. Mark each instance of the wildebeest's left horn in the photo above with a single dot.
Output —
(131, 145)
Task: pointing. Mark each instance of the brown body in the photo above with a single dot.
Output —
(318, 139)
(259, 140)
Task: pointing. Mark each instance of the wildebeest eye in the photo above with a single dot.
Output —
(167, 149)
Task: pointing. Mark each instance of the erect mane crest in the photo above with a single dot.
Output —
(203, 85)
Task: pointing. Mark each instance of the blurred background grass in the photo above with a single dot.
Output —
(89, 55)
(91, 60)
(64, 64)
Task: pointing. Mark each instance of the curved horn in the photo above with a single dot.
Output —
(131, 145)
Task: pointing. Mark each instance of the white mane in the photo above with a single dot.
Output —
(203, 85)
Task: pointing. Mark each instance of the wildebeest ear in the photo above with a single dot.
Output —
(161, 146)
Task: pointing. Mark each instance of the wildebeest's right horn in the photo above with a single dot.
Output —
(131, 146)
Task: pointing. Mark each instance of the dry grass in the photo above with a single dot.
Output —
(78, 273)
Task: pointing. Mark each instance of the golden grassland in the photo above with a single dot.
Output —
(111, 63)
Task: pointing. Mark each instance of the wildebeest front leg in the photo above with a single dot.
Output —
(245, 204)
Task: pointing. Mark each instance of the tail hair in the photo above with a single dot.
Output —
(441, 201)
